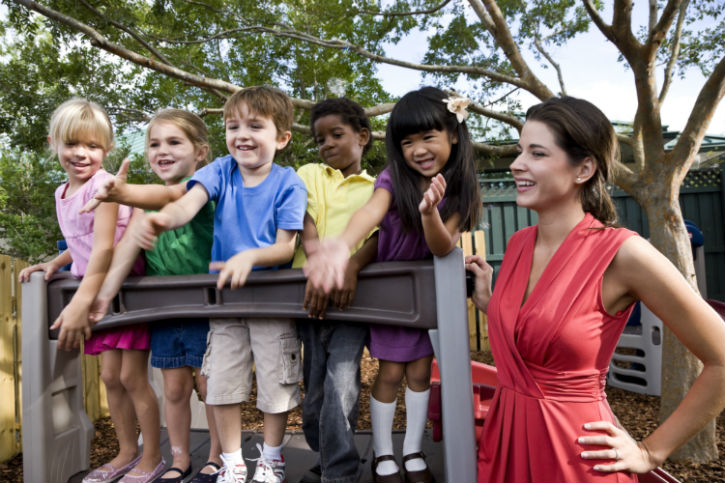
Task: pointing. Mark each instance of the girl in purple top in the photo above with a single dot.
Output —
(430, 154)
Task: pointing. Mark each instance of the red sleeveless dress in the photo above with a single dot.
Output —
(552, 354)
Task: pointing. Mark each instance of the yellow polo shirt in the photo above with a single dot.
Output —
(332, 199)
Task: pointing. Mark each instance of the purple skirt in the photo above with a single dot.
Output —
(399, 344)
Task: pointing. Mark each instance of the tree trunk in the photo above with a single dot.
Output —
(679, 366)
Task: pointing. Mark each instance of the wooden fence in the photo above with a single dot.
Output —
(10, 404)
(94, 391)
(11, 364)
(702, 199)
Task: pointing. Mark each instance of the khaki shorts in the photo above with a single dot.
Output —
(236, 347)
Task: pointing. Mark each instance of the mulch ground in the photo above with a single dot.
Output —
(636, 412)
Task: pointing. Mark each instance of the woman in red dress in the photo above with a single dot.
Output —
(563, 295)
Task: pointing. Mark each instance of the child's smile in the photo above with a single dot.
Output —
(427, 152)
(171, 154)
(80, 160)
(252, 140)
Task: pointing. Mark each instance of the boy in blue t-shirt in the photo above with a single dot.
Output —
(260, 206)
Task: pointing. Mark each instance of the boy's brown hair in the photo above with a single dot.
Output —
(265, 101)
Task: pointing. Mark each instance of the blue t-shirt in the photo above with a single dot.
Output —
(247, 218)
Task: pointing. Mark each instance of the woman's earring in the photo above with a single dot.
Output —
(578, 179)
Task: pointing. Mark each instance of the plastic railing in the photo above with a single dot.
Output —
(427, 294)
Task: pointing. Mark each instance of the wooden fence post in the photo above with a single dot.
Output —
(10, 403)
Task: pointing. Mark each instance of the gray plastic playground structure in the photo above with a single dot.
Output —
(430, 295)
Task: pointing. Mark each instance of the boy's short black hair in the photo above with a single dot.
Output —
(349, 111)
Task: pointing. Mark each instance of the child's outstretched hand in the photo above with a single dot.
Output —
(148, 228)
(110, 189)
(74, 326)
(236, 269)
(483, 273)
(326, 263)
(433, 195)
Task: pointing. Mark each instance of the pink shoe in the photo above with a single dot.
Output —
(139, 476)
(107, 473)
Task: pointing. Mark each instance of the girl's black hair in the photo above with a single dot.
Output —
(420, 111)
(349, 111)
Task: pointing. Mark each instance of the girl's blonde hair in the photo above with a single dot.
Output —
(191, 124)
(79, 118)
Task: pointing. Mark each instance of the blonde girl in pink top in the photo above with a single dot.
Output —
(81, 135)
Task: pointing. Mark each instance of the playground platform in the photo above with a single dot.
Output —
(297, 453)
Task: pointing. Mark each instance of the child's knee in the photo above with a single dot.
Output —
(111, 379)
(177, 392)
(390, 374)
(417, 375)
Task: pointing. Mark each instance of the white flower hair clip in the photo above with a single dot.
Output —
(457, 105)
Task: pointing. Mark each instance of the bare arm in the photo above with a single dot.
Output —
(49, 268)
(364, 256)
(238, 267)
(640, 272)
(369, 216)
(145, 196)
(125, 255)
(174, 215)
(441, 237)
(73, 320)
(327, 262)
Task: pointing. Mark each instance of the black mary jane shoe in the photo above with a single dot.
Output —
(207, 477)
(422, 476)
(174, 479)
(393, 478)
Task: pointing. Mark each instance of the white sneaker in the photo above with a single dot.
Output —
(269, 471)
(232, 473)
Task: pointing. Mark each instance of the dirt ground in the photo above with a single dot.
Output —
(636, 412)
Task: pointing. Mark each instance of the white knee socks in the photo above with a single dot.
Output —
(381, 417)
(416, 408)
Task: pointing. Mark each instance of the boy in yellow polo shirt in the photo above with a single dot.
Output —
(335, 190)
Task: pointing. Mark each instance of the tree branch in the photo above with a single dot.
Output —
(598, 21)
(499, 116)
(102, 42)
(405, 14)
(137, 114)
(557, 67)
(665, 21)
(506, 42)
(622, 19)
(483, 15)
(496, 101)
(623, 176)
(344, 45)
(697, 123)
(652, 15)
(674, 51)
(129, 31)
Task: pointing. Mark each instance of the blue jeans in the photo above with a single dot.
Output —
(331, 368)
